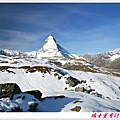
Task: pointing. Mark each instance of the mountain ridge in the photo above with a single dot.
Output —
(51, 48)
(110, 59)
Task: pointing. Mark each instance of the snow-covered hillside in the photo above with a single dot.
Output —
(50, 49)
(62, 90)
(68, 83)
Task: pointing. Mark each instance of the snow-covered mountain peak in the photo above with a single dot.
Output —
(51, 49)
(114, 54)
(50, 43)
(50, 36)
(116, 51)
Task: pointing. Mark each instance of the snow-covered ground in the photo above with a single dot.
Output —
(52, 83)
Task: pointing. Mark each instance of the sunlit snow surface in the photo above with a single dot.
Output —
(107, 87)
(51, 49)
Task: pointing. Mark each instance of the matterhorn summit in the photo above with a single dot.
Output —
(50, 49)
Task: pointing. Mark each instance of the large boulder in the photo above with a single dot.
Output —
(16, 109)
(8, 90)
(79, 89)
(32, 107)
(36, 93)
(72, 81)
(76, 108)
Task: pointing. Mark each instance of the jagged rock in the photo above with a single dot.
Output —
(87, 91)
(77, 108)
(83, 81)
(72, 81)
(79, 89)
(76, 101)
(16, 109)
(61, 96)
(36, 93)
(42, 69)
(32, 107)
(8, 90)
(95, 94)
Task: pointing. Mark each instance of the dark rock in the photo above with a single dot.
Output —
(79, 89)
(83, 81)
(72, 81)
(8, 90)
(65, 88)
(76, 101)
(88, 91)
(36, 93)
(59, 77)
(77, 108)
(42, 69)
(52, 97)
(55, 74)
(61, 96)
(10, 71)
(32, 107)
(56, 63)
(18, 97)
(16, 109)
(95, 94)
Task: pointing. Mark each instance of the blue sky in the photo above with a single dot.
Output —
(78, 27)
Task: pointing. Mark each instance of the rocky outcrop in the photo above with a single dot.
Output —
(32, 107)
(79, 89)
(8, 90)
(76, 108)
(16, 109)
(36, 93)
(72, 81)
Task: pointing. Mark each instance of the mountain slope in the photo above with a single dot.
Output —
(62, 89)
(50, 49)
(108, 59)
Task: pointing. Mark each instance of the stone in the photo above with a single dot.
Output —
(32, 107)
(72, 81)
(76, 109)
(8, 90)
(36, 93)
(79, 89)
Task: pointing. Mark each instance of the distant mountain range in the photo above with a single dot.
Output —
(110, 59)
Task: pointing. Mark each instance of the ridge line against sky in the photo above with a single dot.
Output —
(78, 27)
